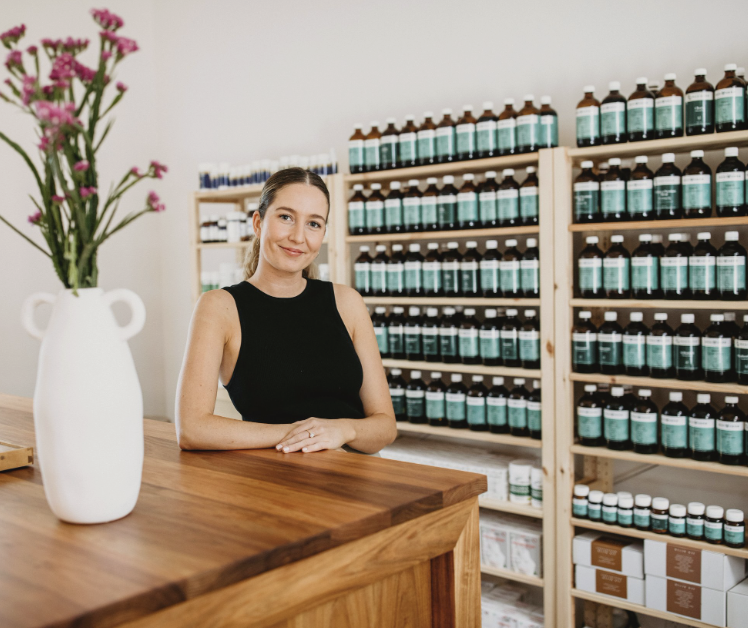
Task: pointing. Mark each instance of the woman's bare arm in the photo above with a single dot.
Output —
(197, 426)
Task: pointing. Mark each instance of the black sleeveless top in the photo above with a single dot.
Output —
(296, 358)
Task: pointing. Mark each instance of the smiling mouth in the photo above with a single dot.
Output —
(292, 251)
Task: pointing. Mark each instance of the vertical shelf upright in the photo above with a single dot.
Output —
(544, 232)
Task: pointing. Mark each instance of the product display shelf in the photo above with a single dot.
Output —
(543, 160)
(510, 507)
(472, 369)
(456, 168)
(465, 301)
(637, 608)
(229, 195)
(596, 463)
(659, 459)
(466, 434)
(454, 234)
(642, 534)
(517, 577)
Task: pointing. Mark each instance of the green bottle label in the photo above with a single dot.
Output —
(730, 437)
(730, 189)
(586, 198)
(735, 534)
(713, 530)
(674, 273)
(687, 350)
(645, 273)
(432, 276)
(590, 274)
(529, 205)
(413, 276)
(397, 339)
(741, 356)
(355, 153)
(451, 277)
(731, 273)
(659, 522)
(430, 339)
(616, 425)
(640, 115)
(382, 338)
(660, 352)
(677, 526)
(426, 144)
(415, 407)
(549, 131)
(412, 340)
(669, 113)
(612, 118)
(371, 154)
(644, 428)
(529, 346)
(496, 411)
(509, 344)
(699, 109)
(510, 276)
(625, 517)
(398, 400)
(490, 275)
(579, 508)
(613, 197)
(393, 212)
(584, 349)
(508, 201)
(609, 349)
(412, 212)
(697, 191)
(490, 343)
(429, 214)
(530, 275)
(517, 413)
(488, 208)
(379, 277)
(507, 134)
(701, 434)
(374, 214)
(476, 411)
(588, 123)
(616, 273)
(465, 138)
(446, 209)
(702, 272)
(528, 131)
(455, 406)
(448, 342)
(467, 206)
(594, 511)
(356, 214)
(534, 416)
(407, 147)
(674, 431)
(730, 105)
(388, 149)
(469, 277)
(716, 354)
(445, 141)
(435, 405)
(362, 274)
(634, 351)
(469, 343)
(695, 528)
(642, 518)
(395, 277)
(666, 193)
(639, 196)
(486, 135)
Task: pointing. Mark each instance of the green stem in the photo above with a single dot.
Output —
(23, 235)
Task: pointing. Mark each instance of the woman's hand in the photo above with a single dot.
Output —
(314, 434)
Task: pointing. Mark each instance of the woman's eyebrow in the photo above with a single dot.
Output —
(291, 209)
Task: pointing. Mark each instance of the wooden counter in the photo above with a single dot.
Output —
(245, 538)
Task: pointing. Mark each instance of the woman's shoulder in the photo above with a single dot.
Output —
(216, 307)
(351, 306)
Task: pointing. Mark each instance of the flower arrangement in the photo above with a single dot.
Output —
(70, 112)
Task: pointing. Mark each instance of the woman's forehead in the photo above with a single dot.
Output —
(303, 198)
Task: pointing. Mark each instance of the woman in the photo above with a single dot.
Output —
(298, 356)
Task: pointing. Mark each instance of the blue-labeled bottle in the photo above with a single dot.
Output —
(517, 409)
(640, 113)
(412, 334)
(372, 148)
(590, 265)
(356, 211)
(674, 427)
(741, 357)
(640, 191)
(490, 270)
(455, 401)
(528, 126)
(674, 267)
(446, 208)
(451, 259)
(580, 501)
(465, 140)
(429, 206)
(379, 322)
(496, 408)
(731, 433)
(645, 424)
(432, 271)
(374, 210)
(430, 336)
(700, 105)
(397, 385)
(414, 271)
(716, 351)
(490, 338)
(677, 520)
(470, 271)
(388, 144)
(731, 269)
(488, 204)
(735, 528)
(362, 272)
(356, 160)
(467, 204)
(687, 350)
(667, 190)
(378, 270)
(588, 119)
(613, 116)
(729, 179)
(436, 408)
(411, 207)
(669, 109)
(696, 190)
(617, 420)
(584, 345)
(529, 341)
(507, 129)
(729, 102)
(635, 346)
(610, 345)
(393, 210)
(415, 398)
(511, 270)
(510, 339)
(590, 418)
(427, 140)
(407, 144)
(445, 138)
(613, 193)
(617, 270)
(449, 331)
(535, 411)
(702, 268)
(548, 124)
(476, 405)
(695, 521)
(485, 132)
(508, 200)
(396, 272)
(702, 434)
(529, 198)
(469, 338)
(587, 195)
(660, 348)
(645, 270)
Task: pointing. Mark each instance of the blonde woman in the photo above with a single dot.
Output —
(297, 355)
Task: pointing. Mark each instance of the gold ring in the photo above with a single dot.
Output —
(311, 434)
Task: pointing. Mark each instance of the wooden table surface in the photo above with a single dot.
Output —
(204, 520)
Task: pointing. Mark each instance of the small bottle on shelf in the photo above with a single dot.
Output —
(529, 341)
(616, 270)
(660, 507)
(379, 322)
(674, 267)
(407, 144)
(645, 270)
(393, 210)
(432, 271)
(730, 183)
(626, 512)
(613, 193)
(640, 113)
(397, 394)
(469, 346)
(700, 105)
(465, 135)
(669, 109)
(687, 350)
(451, 260)
(356, 213)
(716, 351)
(378, 271)
(412, 333)
(595, 506)
(617, 421)
(644, 424)
(396, 333)
(643, 512)
(735, 528)
(415, 398)
(640, 190)
(697, 187)
(580, 501)
(591, 270)
(528, 126)
(731, 430)
(667, 190)
(701, 429)
(508, 200)
(548, 124)
(374, 210)
(588, 119)
(731, 264)
(714, 525)
(674, 427)
(430, 335)
(486, 139)
(613, 116)
(396, 272)
(529, 198)
(372, 148)
(467, 204)
(507, 129)
(429, 205)
(702, 268)
(584, 345)
(530, 270)
(695, 521)
(677, 520)
(362, 271)
(590, 418)
(587, 195)
(609, 345)
(511, 269)
(729, 102)
(490, 273)
(660, 348)
(412, 217)
(517, 409)
(535, 411)
(446, 208)
(356, 150)
(427, 140)
(414, 271)
(490, 339)
(388, 146)
(496, 414)
(455, 396)
(449, 330)
(510, 339)
(488, 208)
(445, 138)
(476, 405)
(610, 508)
(635, 346)
(436, 411)
(741, 354)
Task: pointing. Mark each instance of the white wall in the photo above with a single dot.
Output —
(236, 81)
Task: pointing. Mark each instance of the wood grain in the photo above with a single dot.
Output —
(206, 521)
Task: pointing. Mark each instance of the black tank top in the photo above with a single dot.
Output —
(296, 358)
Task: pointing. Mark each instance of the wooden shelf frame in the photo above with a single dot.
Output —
(651, 382)
(470, 369)
(466, 434)
(456, 234)
(659, 225)
(464, 301)
(659, 304)
(510, 507)
(515, 576)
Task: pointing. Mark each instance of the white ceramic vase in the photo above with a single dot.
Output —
(88, 405)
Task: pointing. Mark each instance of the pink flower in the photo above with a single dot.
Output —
(28, 89)
(107, 20)
(86, 192)
(158, 169)
(135, 171)
(106, 55)
(125, 46)
(58, 199)
(121, 86)
(153, 202)
(14, 60)
(84, 73)
(63, 67)
(81, 166)
(56, 115)
(13, 35)
(74, 46)
(36, 218)
(109, 36)
(32, 50)
(53, 45)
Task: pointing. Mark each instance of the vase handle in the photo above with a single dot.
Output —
(27, 312)
(136, 306)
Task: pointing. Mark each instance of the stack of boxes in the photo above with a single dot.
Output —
(509, 605)
(513, 543)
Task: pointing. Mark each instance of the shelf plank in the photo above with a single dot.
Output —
(510, 507)
(472, 369)
(512, 575)
(657, 225)
(229, 195)
(496, 232)
(456, 168)
(484, 437)
(641, 534)
(650, 382)
(616, 602)
(466, 301)
(712, 141)
(223, 245)
(659, 459)
(661, 304)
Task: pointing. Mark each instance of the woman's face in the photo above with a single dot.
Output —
(293, 228)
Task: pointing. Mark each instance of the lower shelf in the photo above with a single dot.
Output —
(473, 369)
(636, 608)
(651, 382)
(485, 437)
(641, 534)
(512, 575)
(510, 507)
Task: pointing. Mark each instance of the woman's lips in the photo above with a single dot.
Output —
(292, 252)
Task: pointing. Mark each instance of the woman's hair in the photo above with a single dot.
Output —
(282, 178)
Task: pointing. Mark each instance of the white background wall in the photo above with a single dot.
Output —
(235, 81)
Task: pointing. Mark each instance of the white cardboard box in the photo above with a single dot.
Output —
(595, 549)
(686, 599)
(610, 583)
(702, 567)
(737, 606)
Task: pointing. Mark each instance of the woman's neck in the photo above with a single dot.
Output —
(277, 283)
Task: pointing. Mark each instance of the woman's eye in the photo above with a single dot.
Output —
(285, 216)
(316, 224)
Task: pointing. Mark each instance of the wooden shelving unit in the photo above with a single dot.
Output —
(597, 463)
(514, 575)
(510, 507)
(545, 304)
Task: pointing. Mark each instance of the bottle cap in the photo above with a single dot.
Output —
(700, 72)
(358, 187)
(432, 311)
(428, 114)
(490, 313)
(636, 317)
(456, 377)
(447, 111)
(511, 242)
(590, 388)
(397, 247)
(468, 177)
(531, 243)
(509, 101)
(396, 372)
(596, 496)
(589, 89)
(626, 502)
(511, 312)
(687, 318)
(413, 183)
(529, 97)
(610, 499)
(381, 247)
(731, 399)
(363, 249)
(545, 100)
(435, 375)
(717, 318)
(581, 490)
(741, 71)
(614, 86)
(643, 501)
(376, 186)
(448, 179)
(395, 185)
(660, 503)
(398, 309)
(645, 392)
(469, 311)
(641, 159)
(670, 76)
(452, 245)
(677, 510)
(508, 172)
(492, 244)
(645, 237)
(616, 391)
(697, 153)
(449, 311)
(415, 375)
(471, 244)
(491, 174)
(391, 120)
(674, 237)
(614, 161)
(380, 309)
(731, 67)
(414, 310)
(715, 512)
(585, 315)
(642, 80)
(704, 235)
(530, 313)
(375, 123)
(668, 158)
(487, 105)
(432, 246)
(530, 169)
(660, 316)
(519, 381)
(432, 181)
(498, 381)
(703, 398)
(536, 384)
(587, 164)
(729, 317)
(611, 316)
(731, 151)
(733, 515)
(745, 318)
(410, 117)
(676, 396)
(731, 236)
(657, 238)
(592, 239)
(616, 239)
(467, 107)
(414, 247)
(477, 378)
